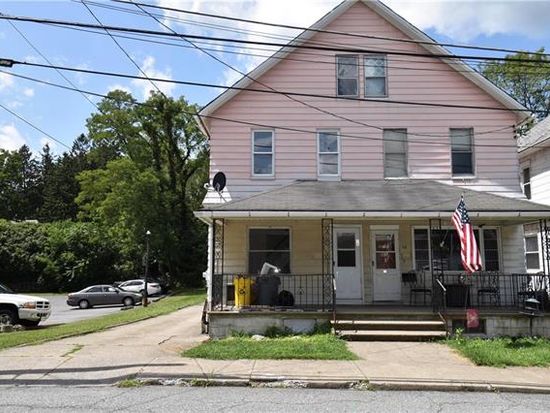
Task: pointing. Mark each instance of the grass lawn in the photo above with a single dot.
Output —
(503, 352)
(164, 306)
(312, 347)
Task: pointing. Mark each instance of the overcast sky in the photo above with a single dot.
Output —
(510, 24)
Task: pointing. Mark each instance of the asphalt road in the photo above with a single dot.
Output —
(225, 399)
(62, 313)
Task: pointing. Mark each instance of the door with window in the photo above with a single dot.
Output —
(348, 269)
(385, 265)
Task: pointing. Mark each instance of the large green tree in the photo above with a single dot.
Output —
(155, 165)
(527, 82)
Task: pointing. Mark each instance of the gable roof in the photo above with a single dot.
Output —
(396, 20)
(375, 198)
(538, 134)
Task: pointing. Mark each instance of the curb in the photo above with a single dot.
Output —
(347, 384)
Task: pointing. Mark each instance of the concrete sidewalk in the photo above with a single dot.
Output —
(150, 350)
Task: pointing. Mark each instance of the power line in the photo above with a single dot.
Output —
(275, 127)
(273, 44)
(32, 125)
(302, 28)
(275, 92)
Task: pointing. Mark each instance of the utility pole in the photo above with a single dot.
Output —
(145, 297)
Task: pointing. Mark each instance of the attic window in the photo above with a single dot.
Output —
(347, 75)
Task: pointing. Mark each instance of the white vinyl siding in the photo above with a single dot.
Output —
(376, 84)
(328, 153)
(347, 76)
(395, 153)
(262, 153)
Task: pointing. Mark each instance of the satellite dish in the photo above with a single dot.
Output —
(219, 181)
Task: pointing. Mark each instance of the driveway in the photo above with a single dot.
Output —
(62, 313)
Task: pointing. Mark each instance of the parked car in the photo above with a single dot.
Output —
(26, 310)
(164, 286)
(102, 295)
(153, 288)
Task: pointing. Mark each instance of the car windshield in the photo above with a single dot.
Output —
(5, 290)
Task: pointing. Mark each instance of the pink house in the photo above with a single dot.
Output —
(345, 157)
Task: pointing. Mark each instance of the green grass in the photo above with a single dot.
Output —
(40, 335)
(503, 352)
(306, 347)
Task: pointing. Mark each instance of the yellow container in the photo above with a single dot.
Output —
(243, 291)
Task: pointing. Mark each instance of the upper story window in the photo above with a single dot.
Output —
(328, 156)
(375, 76)
(262, 153)
(527, 182)
(395, 153)
(462, 152)
(347, 74)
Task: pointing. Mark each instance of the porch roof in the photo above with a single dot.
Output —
(383, 198)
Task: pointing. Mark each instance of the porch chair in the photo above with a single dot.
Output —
(416, 286)
(489, 288)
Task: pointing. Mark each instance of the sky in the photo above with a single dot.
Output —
(62, 113)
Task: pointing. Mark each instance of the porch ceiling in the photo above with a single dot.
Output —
(370, 198)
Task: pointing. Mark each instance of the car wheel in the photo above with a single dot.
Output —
(141, 291)
(83, 304)
(128, 302)
(29, 323)
(7, 316)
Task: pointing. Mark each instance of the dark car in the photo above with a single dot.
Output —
(102, 295)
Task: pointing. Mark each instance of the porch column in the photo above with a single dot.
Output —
(329, 294)
(544, 229)
(216, 264)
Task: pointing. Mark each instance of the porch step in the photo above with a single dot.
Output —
(391, 335)
(393, 325)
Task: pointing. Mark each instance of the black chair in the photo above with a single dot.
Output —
(489, 288)
(416, 286)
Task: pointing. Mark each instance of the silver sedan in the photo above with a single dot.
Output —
(102, 295)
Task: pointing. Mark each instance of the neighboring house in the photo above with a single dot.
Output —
(534, 157)
(357, 194)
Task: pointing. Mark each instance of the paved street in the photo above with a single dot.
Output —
(225, 399)
(62, 313)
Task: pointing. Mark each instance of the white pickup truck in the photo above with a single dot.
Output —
(26, 310)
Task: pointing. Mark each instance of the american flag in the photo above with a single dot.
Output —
(471, 259)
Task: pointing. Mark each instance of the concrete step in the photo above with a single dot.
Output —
(406, 325)
(391, 335)
(412, 316)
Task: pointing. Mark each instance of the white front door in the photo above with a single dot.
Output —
(385, 265)
(348, 269)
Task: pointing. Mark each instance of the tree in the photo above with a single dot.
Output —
(153, 180)
(528, 83)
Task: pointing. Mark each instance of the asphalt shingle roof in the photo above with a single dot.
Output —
(538, 133)
(375, 195)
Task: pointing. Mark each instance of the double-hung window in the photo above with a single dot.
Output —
(262, 153)
(347, 74)
(462, 154)
(532, 253)
(269, 245)
(328, 156)
(395, 153)
(527, 182)
(375, 76)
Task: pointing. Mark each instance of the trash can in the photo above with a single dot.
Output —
(268, 289)
(243, 290)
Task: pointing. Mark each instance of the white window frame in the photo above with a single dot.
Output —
(290, 257)
(472, 174)
(370, 56)
(357, 76)
(319, 153)
(272, 153)
(538, 252)
(528, 183)
(481, 245)
(407, 173)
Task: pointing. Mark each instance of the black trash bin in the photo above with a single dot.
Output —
(267, 289)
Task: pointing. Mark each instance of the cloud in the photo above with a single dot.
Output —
(148, 67)
(10, 138)
(28, 92)
(466, 20)
(118, 86)
(6, 81)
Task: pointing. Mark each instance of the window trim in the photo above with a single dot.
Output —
(539, 252)
(407, 171)
(528, 183)
(472, 151)
(385, 57)
(319, 153)
(290, 255)
(358, 76)
(272, 153)
(481, 245)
